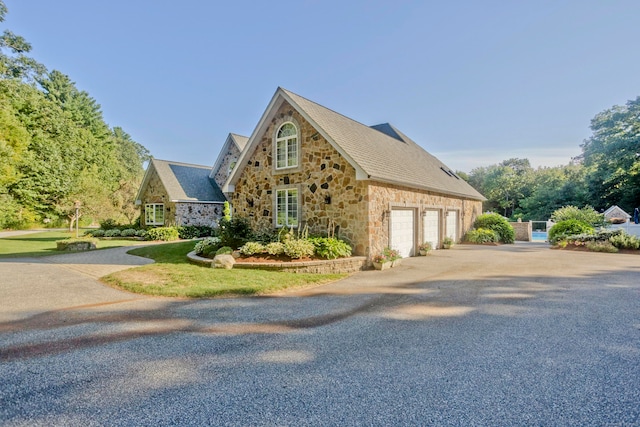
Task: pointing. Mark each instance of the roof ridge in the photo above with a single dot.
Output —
(180, 163)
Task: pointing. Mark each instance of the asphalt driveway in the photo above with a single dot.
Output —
(508, 335)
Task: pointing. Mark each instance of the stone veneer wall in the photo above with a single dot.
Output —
(384, 197)
(156, 193)
(198, 213)
(523, 230)
(330, 196)
(223, 172)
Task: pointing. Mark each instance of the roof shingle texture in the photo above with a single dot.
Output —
(187, 182)
(395, 159)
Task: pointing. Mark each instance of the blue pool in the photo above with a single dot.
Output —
(539, 236)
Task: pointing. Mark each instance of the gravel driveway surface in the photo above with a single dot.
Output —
(477, 335)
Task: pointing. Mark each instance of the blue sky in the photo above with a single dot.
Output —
(473, 82)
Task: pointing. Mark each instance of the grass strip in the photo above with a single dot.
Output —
(173, 276)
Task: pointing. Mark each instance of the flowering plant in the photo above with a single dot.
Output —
(426, 246)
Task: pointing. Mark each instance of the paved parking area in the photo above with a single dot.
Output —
(507, 335)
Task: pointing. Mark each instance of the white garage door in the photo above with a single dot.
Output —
(452, 225)
(402, 231)
(431, 228)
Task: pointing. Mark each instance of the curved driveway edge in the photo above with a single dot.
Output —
(62, 281)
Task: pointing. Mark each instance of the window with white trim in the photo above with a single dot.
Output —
(154, 214)
(287, 146)
(287, 207)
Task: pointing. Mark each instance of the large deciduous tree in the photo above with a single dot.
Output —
(612, 156)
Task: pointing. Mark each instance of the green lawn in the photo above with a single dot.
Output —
(43, 244)
(173, 276)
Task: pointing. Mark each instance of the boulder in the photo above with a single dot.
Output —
(223, 261)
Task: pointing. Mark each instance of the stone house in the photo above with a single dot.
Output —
(173, 193)
(616, 215)
(308, 167)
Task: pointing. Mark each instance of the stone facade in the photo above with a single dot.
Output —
(330, 198)
(385, 197)
(188, 213)
(155, 192)
(230, 158)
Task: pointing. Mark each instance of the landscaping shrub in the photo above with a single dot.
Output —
(482, 235)
(112, 232)
(275, 248)
(109, 224)
(95, 233)
(570, 227)
(165, 234)
(266, 235)
(129, 232)
(625, 241)
(298, 248)
(141, 233)
(330, 247)
(225, 250)
(587, 215)
(207, 246)
(188, 232)
(497, 223)
(235, 232)
(601, 247)
(251, 248)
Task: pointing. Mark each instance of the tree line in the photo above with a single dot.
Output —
(605, 173)
(56, 149)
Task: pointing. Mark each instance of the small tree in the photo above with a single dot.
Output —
(587, 215)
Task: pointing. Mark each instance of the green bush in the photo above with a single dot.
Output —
(266, 235)
(298, 248)
(166, 234)
(95, 233)
(225, 250)
(330, 247)
(497, 223)
(141, 233)
(587, 215)
(570, 227)
(235, 232)
(625, 241)
(112, 232)
(601, 247)
(188, 232)
(109, 224)
(275, 248)
(207, 246)
(482, 235)
(129, 232)
(251, 248)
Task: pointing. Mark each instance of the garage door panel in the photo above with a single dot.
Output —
(403, 231)
(452, 225)
(431, 228)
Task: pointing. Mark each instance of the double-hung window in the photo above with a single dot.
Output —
(154, 214)
(287, 207)
(287, 146)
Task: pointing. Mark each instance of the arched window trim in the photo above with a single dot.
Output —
(287, 147)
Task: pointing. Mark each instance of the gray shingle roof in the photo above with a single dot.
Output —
(187, 182)
(382, 152)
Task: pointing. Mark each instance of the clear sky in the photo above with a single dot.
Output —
(474, 82)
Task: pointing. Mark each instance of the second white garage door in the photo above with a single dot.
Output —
(431, 228)
(403, 231)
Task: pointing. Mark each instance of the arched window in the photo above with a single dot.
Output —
(287, 146)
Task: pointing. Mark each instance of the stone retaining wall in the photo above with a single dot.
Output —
(340, 265)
